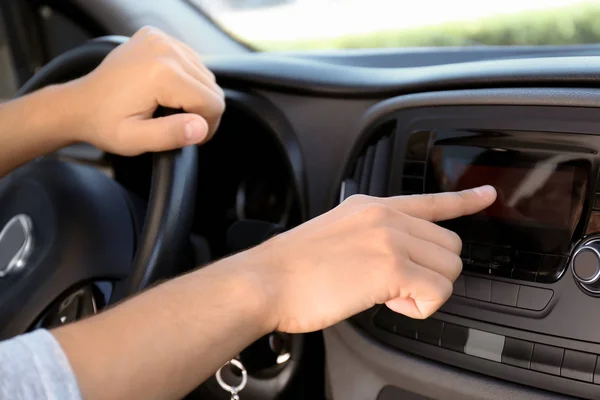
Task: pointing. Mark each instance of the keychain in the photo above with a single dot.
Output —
(233, 390)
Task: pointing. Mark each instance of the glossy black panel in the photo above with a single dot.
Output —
(454, 337)
(541, 187)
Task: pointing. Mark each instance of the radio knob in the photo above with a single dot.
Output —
(585, 265)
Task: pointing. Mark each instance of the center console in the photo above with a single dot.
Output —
(526, 307)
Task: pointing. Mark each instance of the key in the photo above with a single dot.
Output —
(233, 390)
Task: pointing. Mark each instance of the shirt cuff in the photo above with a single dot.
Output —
(34, 366)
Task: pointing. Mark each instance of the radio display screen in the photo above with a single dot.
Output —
(540, 195)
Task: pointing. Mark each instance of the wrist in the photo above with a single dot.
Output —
(53, 114)
(266, 282)
(248, 285)
(69, 110)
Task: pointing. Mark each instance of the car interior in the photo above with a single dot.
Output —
(303, 130)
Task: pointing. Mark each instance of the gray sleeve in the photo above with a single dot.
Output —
(34, 366)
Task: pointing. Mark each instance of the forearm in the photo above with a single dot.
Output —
(34, 125)
(166, 341)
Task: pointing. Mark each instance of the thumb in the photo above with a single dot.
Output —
(163, 133)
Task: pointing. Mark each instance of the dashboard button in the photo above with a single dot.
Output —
(547, 359)
(597, 372)
(384, 319)
(502, 256)
(430, 331)
(478, 288)
(579, 366)
(396, 323)
(517, 353)
(481, 256)
(459, 286)
(551, 269)
(454, 337)
(527, 266)
(532, 298)
(586, 265)
(502, 262)
(504, 293)
(406, 327)
(485, 345)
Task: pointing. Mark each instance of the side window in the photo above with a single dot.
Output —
(31, 35)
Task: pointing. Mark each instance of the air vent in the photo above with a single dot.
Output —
(369, 173)
(415, 162)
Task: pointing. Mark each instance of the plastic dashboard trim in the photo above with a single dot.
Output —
(354, 357)
(363, 368)
(277, 125)
(563, 97)
(305, 76)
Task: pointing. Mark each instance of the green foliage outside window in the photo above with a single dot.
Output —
(576, 24)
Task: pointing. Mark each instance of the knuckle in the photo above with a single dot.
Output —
(357, 199)
(161, 45)
(456, 267)
(211, 107)
(160, 68)
(211, 75)
(385, 240)
(445, 289)
(375, 214)
(150, 31)
(455, 242)
(220, 106)
(143, 31)
(383, 237)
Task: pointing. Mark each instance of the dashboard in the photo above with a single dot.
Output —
(525, 329)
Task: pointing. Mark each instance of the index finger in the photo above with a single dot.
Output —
(444, 206)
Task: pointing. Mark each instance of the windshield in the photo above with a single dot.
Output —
(271, 25)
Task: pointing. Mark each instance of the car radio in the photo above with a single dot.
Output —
(524, 307)
(546, 184)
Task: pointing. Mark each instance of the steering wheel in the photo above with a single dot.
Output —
(70, 239)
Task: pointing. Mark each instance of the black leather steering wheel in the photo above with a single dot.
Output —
(67, 226)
